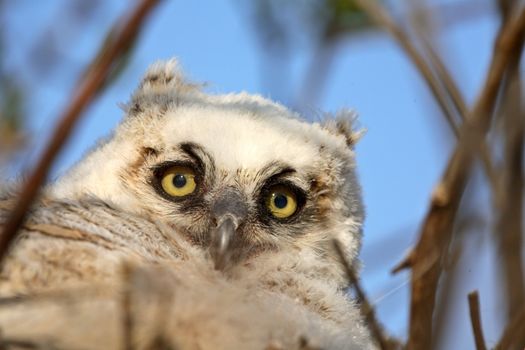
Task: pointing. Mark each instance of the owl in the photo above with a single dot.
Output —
(203, 222)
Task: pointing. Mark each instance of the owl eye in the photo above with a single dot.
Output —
(178, 181)
(282, 202)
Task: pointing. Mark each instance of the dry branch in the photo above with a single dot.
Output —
(509, 230)
(509, 201)
(367, 311)
(459, 102)
(88, 87)
(437, 228)
(421, 12)
(475, 319)
(447, 288)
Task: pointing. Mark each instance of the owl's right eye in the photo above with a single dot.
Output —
(178, 181)
(281, 202)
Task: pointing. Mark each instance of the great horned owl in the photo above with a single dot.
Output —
(234, 199)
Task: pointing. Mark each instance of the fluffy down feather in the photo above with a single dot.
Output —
(106, 259)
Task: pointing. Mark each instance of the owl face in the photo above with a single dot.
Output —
(237, 175)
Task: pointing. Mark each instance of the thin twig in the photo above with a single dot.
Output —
(437, 228)
(88, 87)
(367, 311)
(475, 319)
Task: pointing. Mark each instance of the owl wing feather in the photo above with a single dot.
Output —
(83, 275)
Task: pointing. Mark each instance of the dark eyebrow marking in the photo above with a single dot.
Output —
(199, 155)
(283, 172)
(274, 170)
(191, 149)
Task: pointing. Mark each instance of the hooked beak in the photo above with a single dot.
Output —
(223, 236)
(230, 210)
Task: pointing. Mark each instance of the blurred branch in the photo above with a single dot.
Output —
(509, 202)
(505, 6)
(12, 113)
(513, 337)
(461, 11)
(458, 100)
(381, 17)
(367, 311)
(46, 57)
(435, 82)
(12, 116)
(509, 230)
(436, 232)
(444, 74)
(475, 319)
(88, 87)
(316, 75)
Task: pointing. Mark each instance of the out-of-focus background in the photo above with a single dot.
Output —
(312, 56)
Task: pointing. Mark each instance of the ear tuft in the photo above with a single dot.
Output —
(164, 84)
(163, 75)
(343, 124)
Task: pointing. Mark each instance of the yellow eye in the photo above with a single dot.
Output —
(281, 202)
(179, 181)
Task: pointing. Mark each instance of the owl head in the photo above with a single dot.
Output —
(235, 174)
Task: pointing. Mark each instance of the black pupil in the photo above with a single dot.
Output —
(280, 201)
(179, 181)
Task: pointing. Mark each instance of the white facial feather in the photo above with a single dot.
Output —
(243, 134)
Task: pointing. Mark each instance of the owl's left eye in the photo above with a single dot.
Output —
(178, 181)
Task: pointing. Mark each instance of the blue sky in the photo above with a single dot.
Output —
(400, 158)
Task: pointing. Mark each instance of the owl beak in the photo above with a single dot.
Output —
(222, 239)
(229, 210)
